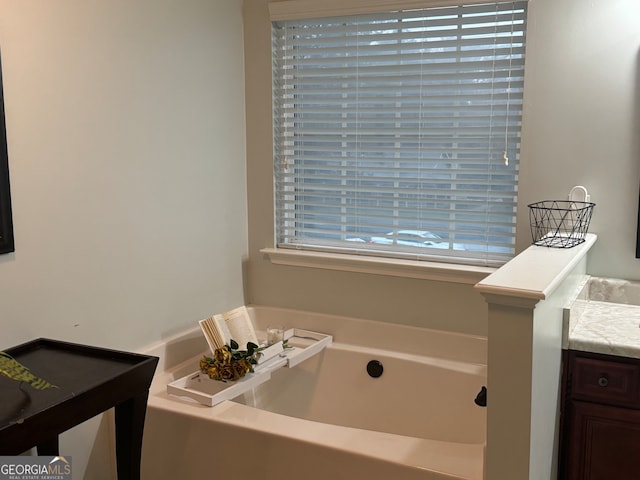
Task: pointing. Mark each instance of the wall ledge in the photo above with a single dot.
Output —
(533, 275)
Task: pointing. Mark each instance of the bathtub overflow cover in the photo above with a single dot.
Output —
(374, 368)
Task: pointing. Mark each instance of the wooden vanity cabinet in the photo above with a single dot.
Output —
(600, 417)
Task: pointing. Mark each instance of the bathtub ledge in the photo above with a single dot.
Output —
(460, 459)
(419, 455)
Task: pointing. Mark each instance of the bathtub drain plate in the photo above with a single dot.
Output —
(375, 368)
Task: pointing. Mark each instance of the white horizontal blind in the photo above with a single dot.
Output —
(398, 134)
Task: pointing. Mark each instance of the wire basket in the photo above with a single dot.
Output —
(559, 223)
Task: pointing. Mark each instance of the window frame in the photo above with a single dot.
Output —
(394, 252)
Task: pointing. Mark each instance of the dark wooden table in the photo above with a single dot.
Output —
(90, 380)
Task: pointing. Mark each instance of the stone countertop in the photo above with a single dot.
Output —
(603, 320)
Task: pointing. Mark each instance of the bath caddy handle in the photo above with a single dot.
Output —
(199, 387)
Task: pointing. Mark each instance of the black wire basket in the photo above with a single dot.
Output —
(560, 223)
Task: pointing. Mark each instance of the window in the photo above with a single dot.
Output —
(6, 225)
(398, 134)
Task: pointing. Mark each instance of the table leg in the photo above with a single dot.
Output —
(49, 447)
(130, 416)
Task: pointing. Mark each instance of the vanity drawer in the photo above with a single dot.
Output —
(606, 381)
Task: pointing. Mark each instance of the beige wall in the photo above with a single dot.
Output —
(581, 124)
(125, 122)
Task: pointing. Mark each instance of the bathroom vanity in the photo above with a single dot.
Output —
(600, 421)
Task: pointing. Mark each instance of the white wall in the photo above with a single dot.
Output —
(125, 123)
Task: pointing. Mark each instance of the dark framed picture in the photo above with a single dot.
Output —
(6, 222)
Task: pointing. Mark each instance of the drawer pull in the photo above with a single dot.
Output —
(603, 381)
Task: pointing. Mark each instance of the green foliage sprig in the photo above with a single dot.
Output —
(11, 368)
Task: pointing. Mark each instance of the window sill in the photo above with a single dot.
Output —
(443, 272)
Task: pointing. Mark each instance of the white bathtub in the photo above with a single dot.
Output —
(327, 418)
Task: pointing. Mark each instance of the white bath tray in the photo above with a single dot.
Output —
(199, 387)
